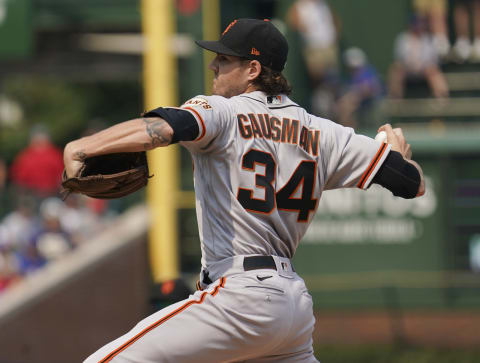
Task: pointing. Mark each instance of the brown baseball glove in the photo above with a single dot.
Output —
(108, 176)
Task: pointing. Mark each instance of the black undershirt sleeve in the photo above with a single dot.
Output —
(183, 123)
(399, 176)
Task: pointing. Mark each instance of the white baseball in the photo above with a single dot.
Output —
(381, 136)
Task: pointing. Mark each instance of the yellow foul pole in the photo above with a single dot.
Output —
(160, 89)
(211, 31)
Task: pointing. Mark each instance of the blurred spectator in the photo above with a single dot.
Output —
(51, 240)
(362, 90)
(19, 225)
(38, 168)
(416, 58)
(29, 240)
(78, 219)
(97, 206)
(16, 231)
(315, 23)
(464, 48)
(29, 259)
(436, 13)
(8, 269)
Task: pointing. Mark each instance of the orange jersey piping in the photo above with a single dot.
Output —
(201, 121)
(110, 356)
(372, 166)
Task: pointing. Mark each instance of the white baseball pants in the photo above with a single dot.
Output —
(261, 315)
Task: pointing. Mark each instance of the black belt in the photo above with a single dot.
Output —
(258, 262)
(251, 263)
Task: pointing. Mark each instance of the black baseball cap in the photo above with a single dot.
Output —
(251, 39)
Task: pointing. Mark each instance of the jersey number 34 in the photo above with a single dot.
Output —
(284, 199)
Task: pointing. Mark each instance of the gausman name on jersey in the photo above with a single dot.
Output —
(284, 130)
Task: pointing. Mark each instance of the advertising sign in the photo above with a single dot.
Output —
(365, 231)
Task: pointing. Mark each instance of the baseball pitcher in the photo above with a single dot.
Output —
(261, 163)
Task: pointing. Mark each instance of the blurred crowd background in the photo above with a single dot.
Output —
(69, 68)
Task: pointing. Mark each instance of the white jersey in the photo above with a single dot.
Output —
(260, 166)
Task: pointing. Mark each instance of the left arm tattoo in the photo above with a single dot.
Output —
(155, 128)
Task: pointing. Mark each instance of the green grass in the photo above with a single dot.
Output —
(391, 354)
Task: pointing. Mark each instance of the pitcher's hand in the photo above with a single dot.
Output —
(397, 140)
(72, 160)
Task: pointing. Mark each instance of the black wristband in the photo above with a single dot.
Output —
(183, 123)
(398, 176)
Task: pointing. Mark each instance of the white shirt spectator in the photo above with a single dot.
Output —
(415, 52)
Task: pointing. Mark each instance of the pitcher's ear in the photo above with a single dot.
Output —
(254, 69)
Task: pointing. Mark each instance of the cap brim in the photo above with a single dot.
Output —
(216, 46)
